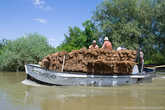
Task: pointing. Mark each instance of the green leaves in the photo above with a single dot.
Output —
(78, 38)
(127, 23)
(24, 50)
(131, 23)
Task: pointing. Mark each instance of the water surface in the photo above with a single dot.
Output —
(16, 96)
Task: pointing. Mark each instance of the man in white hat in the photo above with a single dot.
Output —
(94, 45)
(107, 44)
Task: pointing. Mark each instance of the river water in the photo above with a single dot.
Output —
(16, 96)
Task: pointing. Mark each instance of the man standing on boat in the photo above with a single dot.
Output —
(94, 45)
(140, 59)
(107, 44)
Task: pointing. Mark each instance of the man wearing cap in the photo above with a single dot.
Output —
(94, 45)
(107, 44)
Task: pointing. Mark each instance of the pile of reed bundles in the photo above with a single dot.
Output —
(91, 61)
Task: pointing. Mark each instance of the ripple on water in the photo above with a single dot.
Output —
(14, 95)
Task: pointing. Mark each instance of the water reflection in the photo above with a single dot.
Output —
(15, 95)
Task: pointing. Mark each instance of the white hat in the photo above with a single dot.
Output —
(119, 48)
(106, 38)
(94, 41)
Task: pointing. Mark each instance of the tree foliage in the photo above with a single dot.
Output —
(131, 23)
(24, 50)
(75, 40)
(128, 23)
(3, 43)
(78, 38)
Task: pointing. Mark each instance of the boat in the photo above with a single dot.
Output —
(47, 77)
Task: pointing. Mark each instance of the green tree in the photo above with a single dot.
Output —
(131, 23)
(3, 43)
(91, 32)
(24, 50)
(78, 38)
(73, 41)
(159, 29)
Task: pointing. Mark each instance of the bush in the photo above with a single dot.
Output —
(157, 59)
(3, 43)
(24, 50)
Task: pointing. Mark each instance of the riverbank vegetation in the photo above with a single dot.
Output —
(128, 23)
(30, 49)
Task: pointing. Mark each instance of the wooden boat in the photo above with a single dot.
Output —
(43, 76)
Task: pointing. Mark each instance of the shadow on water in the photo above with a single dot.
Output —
(14, 95)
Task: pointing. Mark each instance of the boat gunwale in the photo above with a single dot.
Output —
(84, 75)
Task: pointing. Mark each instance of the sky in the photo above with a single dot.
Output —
(50, 18)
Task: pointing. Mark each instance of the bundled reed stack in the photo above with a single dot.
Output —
(91, 61)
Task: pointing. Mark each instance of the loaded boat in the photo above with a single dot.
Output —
(87, 67)
(43, 76)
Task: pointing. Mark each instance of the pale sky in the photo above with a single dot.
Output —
(50, 18)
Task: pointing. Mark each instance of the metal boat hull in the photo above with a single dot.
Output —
(36, 73)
